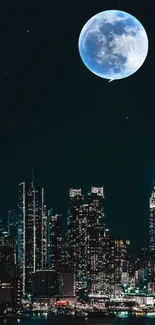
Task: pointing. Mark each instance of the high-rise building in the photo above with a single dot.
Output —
(144, 258)
(152, 236)
(7, 262)
(120, 264)
(3, 228)
(65, 253)
(48, 238)
(10, 292)
(133, 264)
(77, 241)
(98, 259)
(12, 223)
(88, 244)
(143, 279)
(31, 233)
(67, 283)
(13, 230)
(54, 240)
(152, 222)
(45, 284)
(96, 242)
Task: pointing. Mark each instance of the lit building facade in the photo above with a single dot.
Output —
(143, 279)
(96, 242)
(12, 223)
(13, 230)
(65, 253)
(98, 259)
(3, 228)
(77, 241)
(120, 264)
(133, 264)
(7, 261)
(10, 291)
(144, 258)
(152, 236)
(31, 233)
(89, 243)
(152, 222)
(54, 240)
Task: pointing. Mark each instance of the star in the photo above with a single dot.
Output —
(127, 117)
(10, 126)
(27, 31)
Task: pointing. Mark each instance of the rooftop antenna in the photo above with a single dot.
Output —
(32, 174)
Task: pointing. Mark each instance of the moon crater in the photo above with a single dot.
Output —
(113, 44)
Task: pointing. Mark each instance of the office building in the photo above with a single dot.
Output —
(133, 264)
(12, 223)
(13, 230)
(7, 261)
(144, 259)
(54, 240)
(77, 241)
(10, 292)
(152, 236)
(88, 242)
(3, 228)
(120, 264)
(152, 222)
(45, 284)
(67, 283)
(65, 253)
(143, 280)
(31, 233)
(96, 242)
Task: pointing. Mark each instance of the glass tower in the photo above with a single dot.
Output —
(31, 233)
(54, 240)
(152, 222)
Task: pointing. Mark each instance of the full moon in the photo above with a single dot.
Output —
(113, 44)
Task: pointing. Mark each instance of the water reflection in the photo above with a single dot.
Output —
(44, 319)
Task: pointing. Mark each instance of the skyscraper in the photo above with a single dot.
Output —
(86, 233)
(96, 236)
(13, 230)
(45, 284)
(65, 253)
(120, 258)
(7, 262)
(12, 223)
(152, 236)
(152, 222)
(97, 259)
(77, 241)
(54, 240)
(3, 228)
(31, 233)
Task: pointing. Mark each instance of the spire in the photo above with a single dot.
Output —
(32, 174)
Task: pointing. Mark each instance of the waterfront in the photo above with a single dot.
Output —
(62, 320)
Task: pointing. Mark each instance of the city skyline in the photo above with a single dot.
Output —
(49, 210)
(77, 129)
(35, 247)
(77, 160)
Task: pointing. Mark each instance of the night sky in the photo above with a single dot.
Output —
(69, 123)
